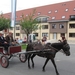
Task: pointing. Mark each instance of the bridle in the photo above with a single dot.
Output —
(66, 46)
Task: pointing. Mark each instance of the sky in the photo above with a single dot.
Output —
(5, 5)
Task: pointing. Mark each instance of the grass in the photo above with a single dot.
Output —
(23, 46)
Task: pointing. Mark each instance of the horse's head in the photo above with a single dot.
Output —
(66, 48)
(61, 46)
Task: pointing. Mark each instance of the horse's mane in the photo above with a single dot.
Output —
(58, 45)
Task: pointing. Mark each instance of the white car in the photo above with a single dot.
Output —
(19, 41)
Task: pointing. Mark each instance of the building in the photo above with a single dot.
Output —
(55, 19)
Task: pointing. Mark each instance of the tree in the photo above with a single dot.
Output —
(29, 24)
(4, 23)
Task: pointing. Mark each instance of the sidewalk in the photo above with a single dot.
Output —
(71, 42)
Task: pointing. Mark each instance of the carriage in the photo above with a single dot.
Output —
(13, 51)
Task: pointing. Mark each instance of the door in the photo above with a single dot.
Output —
(54, 35)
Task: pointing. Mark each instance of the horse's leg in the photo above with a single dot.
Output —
(45, 64)
(32, 60)
(26, 57)
(55, 66)
(29, 56)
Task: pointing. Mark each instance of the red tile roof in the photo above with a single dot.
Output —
(44, 10)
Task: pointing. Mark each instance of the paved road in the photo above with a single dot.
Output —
(65, 65)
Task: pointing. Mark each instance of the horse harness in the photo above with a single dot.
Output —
(52, 48)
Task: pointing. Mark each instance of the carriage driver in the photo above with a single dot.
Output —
(3, 42)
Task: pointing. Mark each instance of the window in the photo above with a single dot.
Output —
(49, 12)
(55, 10)
(74, 8)
(61, 26)
(36, 34)
(17, 28)
(71, 34)
(26, 15)
(72, 26)
(44, 26)
(44, 34)
(20, 16)
(44, 19)
(17, 34)
(39, 13)
(66, 10)
(72, 17)
(63, 16)
(38, 19)
(54, 35)
(53, 17)
(53, 26)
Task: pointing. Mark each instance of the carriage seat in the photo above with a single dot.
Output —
(11, 49)
(1, 49)
(14, 49)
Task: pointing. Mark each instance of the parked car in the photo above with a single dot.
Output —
(20, 41)
(24, 41)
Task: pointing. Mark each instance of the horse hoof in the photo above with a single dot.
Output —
(57, 73)
(32, 66)
(43, 70)
(29, 67)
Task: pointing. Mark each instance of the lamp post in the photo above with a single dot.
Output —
(13, 14)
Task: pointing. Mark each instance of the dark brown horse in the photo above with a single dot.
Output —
(50, 55)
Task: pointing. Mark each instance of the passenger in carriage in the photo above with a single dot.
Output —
(10, 40)
(3, 42)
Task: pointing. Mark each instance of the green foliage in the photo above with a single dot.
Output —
(28, 23)
(23, 46)
(4, 23)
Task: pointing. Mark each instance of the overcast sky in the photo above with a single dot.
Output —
(5, 5)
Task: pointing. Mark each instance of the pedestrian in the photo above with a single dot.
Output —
(62, 39)
(3, 42)
(44, 38)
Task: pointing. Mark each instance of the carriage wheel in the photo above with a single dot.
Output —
(22, 58)
(4, 62)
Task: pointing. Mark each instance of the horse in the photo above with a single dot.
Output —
(49, 55)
